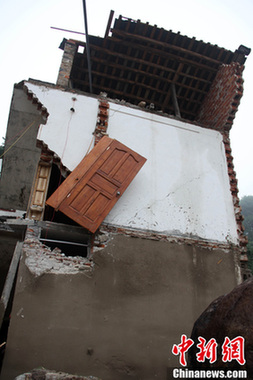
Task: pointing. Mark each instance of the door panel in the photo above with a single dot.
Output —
(97, 207)
(92, 189)
(115, 156)
(83, 199)
(104, 183)
(125, 169)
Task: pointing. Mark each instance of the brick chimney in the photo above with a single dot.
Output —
(70, 48)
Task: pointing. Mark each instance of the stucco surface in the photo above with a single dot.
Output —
(121, 321)
(183, 188)
(71, 121)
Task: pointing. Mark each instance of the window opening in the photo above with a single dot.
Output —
(71, 240)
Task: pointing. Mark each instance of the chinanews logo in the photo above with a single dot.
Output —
(184, 373)
(231, 350)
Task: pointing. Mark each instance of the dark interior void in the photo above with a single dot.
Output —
(59, 231)
(71, 240)
(50, 214)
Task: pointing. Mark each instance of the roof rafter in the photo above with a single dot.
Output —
(137, 61)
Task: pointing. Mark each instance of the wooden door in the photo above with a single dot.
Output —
(92, 189)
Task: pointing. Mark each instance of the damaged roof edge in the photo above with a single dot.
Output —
(242, 50)
(46, 152)
(33, 98)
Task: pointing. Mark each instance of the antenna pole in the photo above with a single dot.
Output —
(87, 44)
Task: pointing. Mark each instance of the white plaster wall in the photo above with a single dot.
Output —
(183, 188)
(67, 133)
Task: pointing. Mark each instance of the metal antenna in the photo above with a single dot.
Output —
(87, 44)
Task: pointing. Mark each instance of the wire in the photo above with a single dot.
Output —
(15, 142)
(67, 137)
(88, 150)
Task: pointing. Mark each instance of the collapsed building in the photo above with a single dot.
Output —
(119, 200)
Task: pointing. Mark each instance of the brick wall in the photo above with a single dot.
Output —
(70, 48)
(243, 241)
(102, 118)
(218, 112)
(221, 103)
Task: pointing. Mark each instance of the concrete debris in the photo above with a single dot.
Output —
(44, 374)
(101, 240)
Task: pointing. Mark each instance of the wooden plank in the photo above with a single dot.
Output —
(9, 282)
(109, 24)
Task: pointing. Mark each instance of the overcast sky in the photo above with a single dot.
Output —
(29, 47)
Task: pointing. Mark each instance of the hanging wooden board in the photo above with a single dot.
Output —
(95, 185)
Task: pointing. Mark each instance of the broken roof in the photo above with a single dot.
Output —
(139, 62)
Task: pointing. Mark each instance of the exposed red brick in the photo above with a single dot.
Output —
(102, 120)
(243, 241)
(221, 103)
(160, 237)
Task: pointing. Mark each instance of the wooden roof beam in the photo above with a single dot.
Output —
(167, 45)
(135, 97)
(137, 74)
(152, 50)
(107, 53)
(109, 24)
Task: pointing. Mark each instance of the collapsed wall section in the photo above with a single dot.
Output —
(40, 259)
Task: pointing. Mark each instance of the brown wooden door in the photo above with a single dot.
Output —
(92, 189)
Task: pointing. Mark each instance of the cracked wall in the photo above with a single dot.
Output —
(183, 189)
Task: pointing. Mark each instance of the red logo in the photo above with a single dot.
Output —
(207, 350)
(231, 350)
(182, 348)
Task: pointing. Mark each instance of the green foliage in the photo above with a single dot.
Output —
(247, 211)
